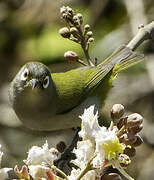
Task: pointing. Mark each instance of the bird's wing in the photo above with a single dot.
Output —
(75, 85)
(121, 58)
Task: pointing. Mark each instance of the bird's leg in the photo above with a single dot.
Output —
(63, 162)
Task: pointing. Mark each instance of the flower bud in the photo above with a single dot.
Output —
(87, 27)
(75, 18)
(111, 176)
(130, 151)
(79, 15)
(23, 173)
(138, 141)
(91, 40)
(134, 119)
(89, 33)
(128, 138)
(135, 129)
(64, 32)
(62, 9)
(124, 159)
(74, 32)
(70, 10)
(71, 56)
(121, 122)
(117, 111)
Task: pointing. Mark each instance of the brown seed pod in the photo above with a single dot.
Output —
(130, 151)
(135, 129)
(128, 138)
(61, 146)
(134, 119)
(138, 141)
(111, 176)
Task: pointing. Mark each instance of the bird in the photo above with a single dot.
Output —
(52, 101)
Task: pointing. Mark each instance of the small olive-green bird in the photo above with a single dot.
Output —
(45, 101)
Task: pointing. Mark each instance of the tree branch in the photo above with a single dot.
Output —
(144, 33)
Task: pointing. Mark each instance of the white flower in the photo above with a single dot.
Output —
(4, 173)
(89, 124)
(39, 156)
(38, 171)
(108, 145)
(84, 151)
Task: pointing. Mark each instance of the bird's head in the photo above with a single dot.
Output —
(33, 82)
(34, 75)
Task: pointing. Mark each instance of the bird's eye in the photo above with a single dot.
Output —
(24, 75)
(46, 82)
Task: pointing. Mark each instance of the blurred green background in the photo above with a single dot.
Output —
(29, 32)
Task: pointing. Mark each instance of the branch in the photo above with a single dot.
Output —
(144, 33)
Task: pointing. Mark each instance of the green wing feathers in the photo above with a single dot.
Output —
(119, 60)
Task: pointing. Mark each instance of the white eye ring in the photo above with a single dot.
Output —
(46, 82)
(24, 74)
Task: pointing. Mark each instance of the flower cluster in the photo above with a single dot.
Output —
(38, 163)
(76, 32)
(3, 171)
(99, 147)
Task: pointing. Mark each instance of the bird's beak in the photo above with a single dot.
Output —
(33, 83)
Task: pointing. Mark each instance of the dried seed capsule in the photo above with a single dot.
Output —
(134, 119)
(138, 141)
(61, 146)
(135, 129)
(111, 176)
(71, 56)
(117, 111)
(128, 138)
(130, 151)
(87, 27)
(65, 32)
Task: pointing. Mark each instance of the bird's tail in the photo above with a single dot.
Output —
(123, 58)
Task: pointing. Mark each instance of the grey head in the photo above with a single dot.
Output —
(32, 93)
